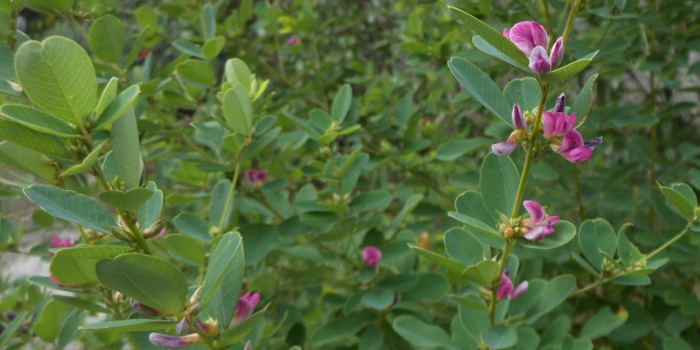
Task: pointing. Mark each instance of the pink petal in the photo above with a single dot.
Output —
(503, 149)
(537, 213)
(578, 155)
(505, 289)
(254, 299)
(535, 234)
(519, 121)
(528, 35)
(549, 122)
(539, 61)
(520, 290)
(506, 33)
(371, 256)
(243, 310)
(557, 52)
(571, 141)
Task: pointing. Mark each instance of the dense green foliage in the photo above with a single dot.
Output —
(201, 152)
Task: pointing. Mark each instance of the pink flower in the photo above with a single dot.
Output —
(558, 123)
(293, 41)
(61, 243)
(532, 39)
(246, 306)
(504, 149)
(371, 256)
(173, 342)
(255, 177)
(540, 224)
(506, 290)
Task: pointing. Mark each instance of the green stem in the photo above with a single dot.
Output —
(229, 199)
(570, 20)
(136, 233)
(494, 288)
(669, 243)
(577, 183)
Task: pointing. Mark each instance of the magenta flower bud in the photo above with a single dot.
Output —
(540, 224)
(255, 177)
(143, 309)
(503, 149)
(506, 290)
(168, 341)
(557, 123)
(61, 243)
(593, 143)
(372, 256)
(519, 121)
(527, 35)
(578, 155)
(293, 41)
(560, 107)
(246, 306)
(539, 61)
(248, 346)
(557, 52)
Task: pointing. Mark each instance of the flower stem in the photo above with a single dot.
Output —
(570, 20)
(577, 184)
(229, 200)
(669, 243)
(494, 288)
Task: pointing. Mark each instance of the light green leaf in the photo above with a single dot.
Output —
(477, 226)
(149, 211)
(341, 104)
(563, 74)
(493, 37)
(481, 87)
(422, 334)
(76, 265)
(223, 278)
(126, 149)
(49, 323)
(483, 45)
(238, 110)
(26, 160)
(679, 201)
(38, 120)
(129, 200)
(71, 206)
(132, 325)
(152, 281)
(237, 72)
(596, 236)
(212, 47)
(193, 226)
(11, 329)
(58, 76)
(463, 246)
(33, 140)
(484, 272)
(603, 322)
(498, 183)
(524, 92)
(184, 248)
(626, 250)
(188, 48)
(584, 100)
(198, 72)
(106, 38)
(118, 106)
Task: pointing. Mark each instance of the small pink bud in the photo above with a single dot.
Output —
(519, 121)
(372, 256)
(557, 52)
(255, 177)
(503, 149)
(293, 41)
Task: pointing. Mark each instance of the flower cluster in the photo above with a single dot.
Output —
(59, 242)
(532, 39)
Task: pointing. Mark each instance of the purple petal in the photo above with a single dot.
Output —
(560, 107)
(254, 299)
(549, 123)
(520, 290)
(243, 310)
(505, 289)
(371, 256)
(578, 155)
(167, 341)
(506, 33)
(537, 213)
(572, 140)
(527, 35)
(539, 61)
(593, 143)
(557, 52)
(503, 149)
(536, 233)
(519, 121)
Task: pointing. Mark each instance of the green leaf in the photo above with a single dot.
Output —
(378, 299)
(336, 330)
(126, 149)
(484, 46)
(493, 37)
(71, 206)
(687, 192)
(196, 71)
(553, 294)
(484, 272)
(603, 322)
(341, 104)
(106, 38)
(422, 334)
(223, 278)
(118, 106)
(470, 301)
(49, 323)
(108, 95)
(564, 73)
(188, 48)
(38, 120)
(240, 331)
(76, 265)
(149, 211)
(475, 321)
(137, 46)
(431, 287)
(463, 246)
(238, 110)
(404, 109)
(596, 236)
(184, 248)
(81, 303)
(129, 200)
(498, 184)
(217, 203)
(11, 329)
(626, 250)
(500, 337)
(58, 76)
(27, 161)
(408, 207)
(257, 240)
(524, 92)
(679, 201)
(481, 87)
(33, 140)
(237, 72)
(208, 22)
(564, 232)
(477, 226)
(456, 148)
(584, 100)
(152, 281)
(193, 226)
(449, 264)
(132, 325)
(212, 47)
